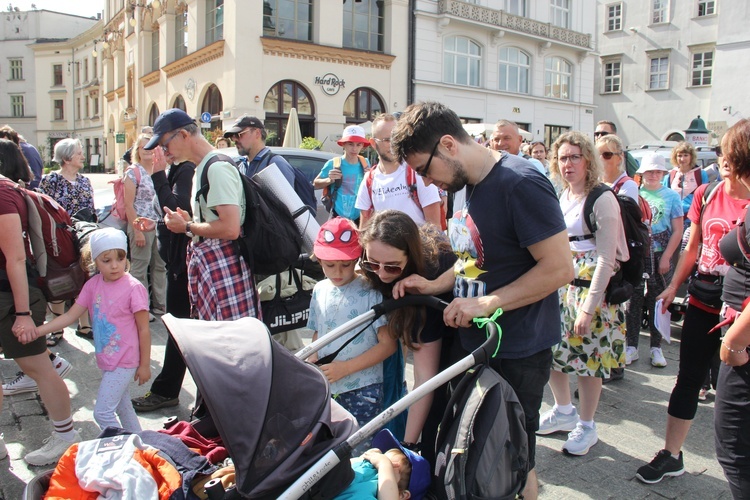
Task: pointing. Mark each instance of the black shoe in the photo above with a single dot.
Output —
(614, 374)
(663, 464)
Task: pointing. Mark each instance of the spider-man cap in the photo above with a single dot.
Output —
(337, 240)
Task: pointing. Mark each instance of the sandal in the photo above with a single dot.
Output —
(85, 332)
(54, 338)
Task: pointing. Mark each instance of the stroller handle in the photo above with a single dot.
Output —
(409, 300)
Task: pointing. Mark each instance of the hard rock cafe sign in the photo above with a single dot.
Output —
(330, 83)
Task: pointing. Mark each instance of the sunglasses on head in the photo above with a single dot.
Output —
(374, 267)
(607, 155)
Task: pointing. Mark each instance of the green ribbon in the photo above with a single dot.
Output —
(482, 323)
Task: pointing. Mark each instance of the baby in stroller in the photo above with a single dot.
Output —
(388, 471)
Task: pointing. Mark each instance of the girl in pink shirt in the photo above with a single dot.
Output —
(118, 306)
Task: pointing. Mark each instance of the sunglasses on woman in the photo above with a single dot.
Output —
(607, 155)
(374, 267)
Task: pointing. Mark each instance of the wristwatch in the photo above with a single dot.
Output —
(187, 230)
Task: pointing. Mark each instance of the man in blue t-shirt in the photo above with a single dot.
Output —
(512, 248)
(343, 175)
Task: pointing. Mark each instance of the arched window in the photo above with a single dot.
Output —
(153, 114)
(179, 103)
(514, 67)
(462, 59)
(213, 103)
(557, 78)
(362, 105)
(279, 100)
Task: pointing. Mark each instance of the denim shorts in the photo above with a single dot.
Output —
(528, 376)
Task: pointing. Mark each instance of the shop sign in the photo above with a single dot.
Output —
(120, 138)
(330, 83)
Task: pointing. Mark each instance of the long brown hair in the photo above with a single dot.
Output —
(422, 247)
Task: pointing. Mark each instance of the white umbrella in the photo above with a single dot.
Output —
(293, 134)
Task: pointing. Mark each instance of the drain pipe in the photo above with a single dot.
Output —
(412, 52)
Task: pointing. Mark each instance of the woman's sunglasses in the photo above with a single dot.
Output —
(607, 155)
(374, 267)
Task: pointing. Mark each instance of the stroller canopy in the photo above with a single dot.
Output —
(272, 411)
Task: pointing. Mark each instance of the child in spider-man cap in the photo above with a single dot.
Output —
(355, 373)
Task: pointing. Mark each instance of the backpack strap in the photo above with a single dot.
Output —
(709, 195)
(368, 182)
(588, 206)
(698, 172)
(619, 184)
(204, 183)
(672, 175)
(411, 181)
(742, 228)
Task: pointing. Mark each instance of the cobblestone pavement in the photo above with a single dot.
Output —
(630, 421)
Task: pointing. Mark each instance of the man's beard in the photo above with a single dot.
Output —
(241, 150)
(460, 178)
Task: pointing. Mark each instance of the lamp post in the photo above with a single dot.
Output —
(697, 133)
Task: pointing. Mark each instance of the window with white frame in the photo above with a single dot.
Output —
(59, 109)
(658, 72)
(16, 106)
(86, 107)
(612, 76)
(214, 20)
(703, 65)
(180, 35)
(364, 25)
(614, 17)
(16, 69)
(516, 7)
(288, 19)
(96, 106)
(706, 7)
(461, 61)
(659, 11)
(559, 13)
(155, 50)
(514, 67)
(558, 76)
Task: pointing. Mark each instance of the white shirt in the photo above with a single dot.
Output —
(392, 191)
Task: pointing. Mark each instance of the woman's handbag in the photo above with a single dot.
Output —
(281, 314)
(706, 289)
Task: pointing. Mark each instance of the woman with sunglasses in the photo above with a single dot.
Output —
(395, 248)
(611, 152)
(714, 212)
(593, 340)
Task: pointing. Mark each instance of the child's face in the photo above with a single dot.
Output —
(652, 179)
(111, 265)
(340, 272)
(400, 466)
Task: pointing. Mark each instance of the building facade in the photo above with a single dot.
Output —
(23, 101)
(529, 61)
(335, 63)
(661, 64)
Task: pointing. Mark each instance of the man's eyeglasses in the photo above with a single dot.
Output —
(387, 140)
(238, 135)
(423, 172)
(165, 146)
(600, 133)
(607, 155)
(574, 159)
(374, 267)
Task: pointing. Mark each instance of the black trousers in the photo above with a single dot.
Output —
(732, 427)
(169, 382)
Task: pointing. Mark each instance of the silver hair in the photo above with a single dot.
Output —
(65, 149)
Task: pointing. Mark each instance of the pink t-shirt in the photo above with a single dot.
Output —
(112, 306)
(719, 217)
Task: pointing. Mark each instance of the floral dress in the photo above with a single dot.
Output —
(597, 353)
(72, 196)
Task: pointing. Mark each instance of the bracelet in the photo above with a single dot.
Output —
(23, 313)
(733, 351)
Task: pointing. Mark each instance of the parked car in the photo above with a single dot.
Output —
(706, 155)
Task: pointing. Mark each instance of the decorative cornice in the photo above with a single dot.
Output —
(197, 58)
(120, 92)
(151, 78)
(312, 52)
(110, 96)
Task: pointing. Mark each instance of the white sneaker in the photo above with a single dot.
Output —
(555, 421)
(3, 448)
(657, 357)
(23, 383)
(631, 354)
(53, 449)
(580, 440)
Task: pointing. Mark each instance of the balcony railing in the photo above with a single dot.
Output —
(502, 19)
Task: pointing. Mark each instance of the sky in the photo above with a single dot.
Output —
(85, 8)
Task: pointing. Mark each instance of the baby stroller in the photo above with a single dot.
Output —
(286, 436)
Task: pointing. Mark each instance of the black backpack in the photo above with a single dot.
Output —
(269, 240)
(482, 449)
(638, 236)
(302, 185)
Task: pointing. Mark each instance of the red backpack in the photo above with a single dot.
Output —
(53, 244)
(411, 182)
(118, 205)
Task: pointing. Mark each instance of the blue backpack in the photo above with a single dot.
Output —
(302, 186)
